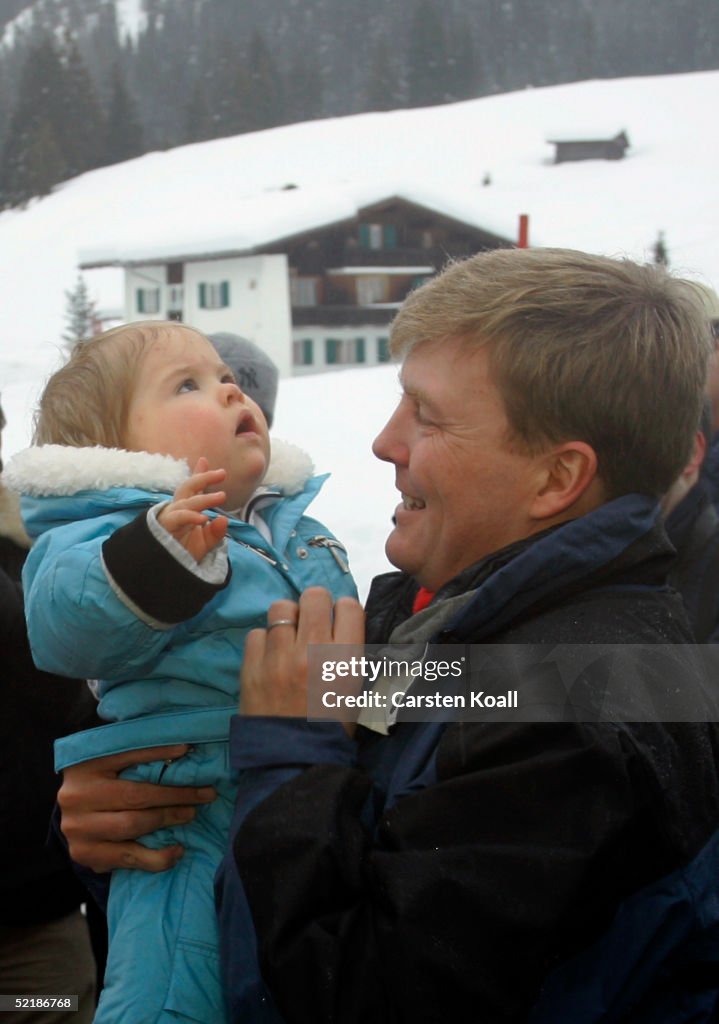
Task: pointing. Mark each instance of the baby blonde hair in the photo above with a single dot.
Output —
(87, 401)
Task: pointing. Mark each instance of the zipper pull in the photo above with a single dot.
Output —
(334, 547)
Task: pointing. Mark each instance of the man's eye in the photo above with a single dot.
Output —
(228, 378)
(187, 385)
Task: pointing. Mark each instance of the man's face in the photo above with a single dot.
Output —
(186, 404)
(465, 492)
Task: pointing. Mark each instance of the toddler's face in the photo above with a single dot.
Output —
(186, 404)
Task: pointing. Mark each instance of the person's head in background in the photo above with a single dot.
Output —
(3, 421)
(254, 371)
(710, 299)
(690, 474)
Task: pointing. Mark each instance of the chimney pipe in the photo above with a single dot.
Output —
(523, 241)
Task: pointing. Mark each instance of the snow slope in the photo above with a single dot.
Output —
(232, 188)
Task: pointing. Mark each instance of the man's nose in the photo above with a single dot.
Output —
(389, 445)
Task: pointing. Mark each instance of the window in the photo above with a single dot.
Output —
(345, 352)
(303, 352)
(371, 288)
(333, 351)
(303, 291)
(370, 236)
(148, 300)
(215, 296)
(378, 236)
(383, 355)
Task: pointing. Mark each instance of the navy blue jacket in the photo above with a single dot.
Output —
(693, 529)
(553, 873)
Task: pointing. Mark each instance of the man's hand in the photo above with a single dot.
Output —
(102, 814)
(183, 516)
(274, 670)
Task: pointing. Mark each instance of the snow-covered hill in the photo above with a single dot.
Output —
(668, 182)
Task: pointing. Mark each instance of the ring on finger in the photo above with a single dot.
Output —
(280, 622)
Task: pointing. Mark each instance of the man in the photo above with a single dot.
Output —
(710, 466)
(692, 525)
(555, 872)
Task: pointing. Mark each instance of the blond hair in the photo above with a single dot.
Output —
(87, 401)
(582, 348)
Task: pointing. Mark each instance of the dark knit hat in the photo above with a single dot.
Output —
(254, 371)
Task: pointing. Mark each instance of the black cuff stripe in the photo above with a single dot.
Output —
(151, 578)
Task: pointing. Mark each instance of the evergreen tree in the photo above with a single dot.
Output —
(266, 103)
(80, 125)
(33, 159)
(464, 74)
(198, 116)
(80, 315)
(383, 88)
(42, 163)
(427, 76)
(123, 131)
(304, 90)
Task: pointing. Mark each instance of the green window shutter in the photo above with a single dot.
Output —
(390, 236)
(225, 294)
(364, 236)
(359, 350)
(140, 296)
(203, 296)
(331, 350)
(383, 350)
(308, 356)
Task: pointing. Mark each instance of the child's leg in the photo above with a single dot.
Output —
(163, 962)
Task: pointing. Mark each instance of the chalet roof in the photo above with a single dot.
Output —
(254, 223)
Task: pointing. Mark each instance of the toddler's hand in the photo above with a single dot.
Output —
(183, 516)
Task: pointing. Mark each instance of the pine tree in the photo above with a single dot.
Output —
(427, 72)
(304, 90)
(56, 128)
(383, 89)
(123, 131)
(198, 118)
(266, 103)
(80, 315)
(33, 160)
(81, 124)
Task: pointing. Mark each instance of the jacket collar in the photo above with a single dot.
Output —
(54, 470)
(539, 570)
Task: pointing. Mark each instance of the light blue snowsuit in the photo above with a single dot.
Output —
(159, 685)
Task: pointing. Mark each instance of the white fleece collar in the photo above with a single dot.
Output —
(59, 470)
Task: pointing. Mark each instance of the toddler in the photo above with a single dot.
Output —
(163, 532)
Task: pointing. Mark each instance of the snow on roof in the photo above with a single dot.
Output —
(246, 224)
(381, 270)
(235, 190)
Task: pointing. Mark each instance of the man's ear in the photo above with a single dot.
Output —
(697, 457)
(568, 474)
